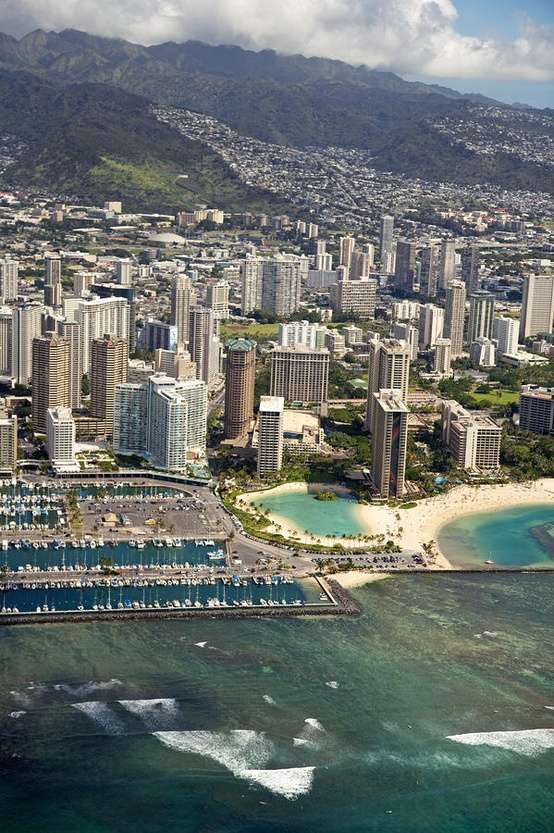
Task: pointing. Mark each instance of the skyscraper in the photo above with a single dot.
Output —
(26, 325)
(183, 297)
(71, 332)
(431, 325)
(346, 248)
(537, 309)
(536, 409)
(6, 324)
(404, 269)
(124, 271)
(240, 377)
(281, 286)
(251, 272)
(9, 278)
(300, 374)
(100, 317)
(505, 331)
(217, 299)
(53, 280)
(60, 439)
(270, 434)
(130, 419)
(447, 263)
(429, 271)
(50, 378)
(442, 357)
(201, 341)
(454, 317)
(389, 369)
(8, 439)
(386, 242)
(109, 364)
(481, 314)
(470, 268)
(390, 440)
(355, 298)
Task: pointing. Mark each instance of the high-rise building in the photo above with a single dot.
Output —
(60, 439)
(447, 263)
(124, 271)
(301, 334)
(9, 280)
(505, 332)
(470, 268)
(204, 344)
(158, 335)
(405, 310)
(127, 293)
(390, 441)
(183, 297)
(323, 262)
(442, 357)
(82, 281)
(537, 309)
(281, 287)
(355, 298)
(454, 316)
(8, 440)
(251, 272)
(403, 331)
(481, 314)
(482, 352)
(52, 269)
(99, 317)
(130, 419)
(431, 325)
(386, 250)
(6, 325)
(270, 435)
(405, 266)
(300, 374)
(178, 364)
(110, 358)
(346, 248)
(240, 377)
(389, 369)
(536, 409)
(473, 439)
(361, 264)
(26, 326)
(71, 332)
(429, 274)
(217, 299)
(50, 378)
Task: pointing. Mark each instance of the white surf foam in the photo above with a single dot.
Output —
(332, 684)
(155, 714)
(200, 644)
(17, 715)
(237, 750)
(530, 742)
(311, 735)
(101, 714)
(314, 724)
(269, 699)
(289, 783)
(92, 687)
(550, 707)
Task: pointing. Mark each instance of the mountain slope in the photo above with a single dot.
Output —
(409, 127)
(96, 142)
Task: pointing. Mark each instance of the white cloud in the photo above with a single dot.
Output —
(416, 37)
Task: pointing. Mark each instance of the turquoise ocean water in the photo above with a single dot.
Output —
(337, 517)
(504, 537)
(339, 725)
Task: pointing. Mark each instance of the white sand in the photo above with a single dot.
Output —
(412, 528)
(357, 578)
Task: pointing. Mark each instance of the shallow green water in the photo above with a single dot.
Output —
(502, 536)
(370, 700)
(317, 517)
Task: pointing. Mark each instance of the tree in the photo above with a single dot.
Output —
(85, 386)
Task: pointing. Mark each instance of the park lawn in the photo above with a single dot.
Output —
(497, 396)
(257, 331)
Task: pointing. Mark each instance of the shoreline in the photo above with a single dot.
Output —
(413, 528)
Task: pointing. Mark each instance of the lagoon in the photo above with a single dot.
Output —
(301, 510)
(505, 537)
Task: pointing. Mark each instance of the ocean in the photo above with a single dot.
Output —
(431, 711)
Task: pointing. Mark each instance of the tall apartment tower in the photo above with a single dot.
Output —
(447, 263)
(429, 271)
(71, 332)
(109, 365)
(183, 297)
(9, 279)
(386, 242)
(431, 325)
(281, 286)
(50, 378)
(536, 409)
(442, 357)
(537, 309)
(270, 434)
(470, 268)
(454, 317)
(8, 440)
(405, 266)
(346, 248)
(300, 374)
(204, 344)
(361, 265)
(389, 369)
(481, 314)
(240, 377)
(390, 441)
(53, 280)
(60, 438)
(251, 273)
(101, 316)
(26, 326)
(6, 325)
(124, 271)
(217, 299)
(505, 332)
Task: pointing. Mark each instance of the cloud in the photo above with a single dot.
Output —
(416, 37)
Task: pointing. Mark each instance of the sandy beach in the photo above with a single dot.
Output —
(357, 578)
(413, 528)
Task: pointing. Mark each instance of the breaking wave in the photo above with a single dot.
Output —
(529, 742)
(101, 714)
(155, 714)
(237, 750)
(289, 783)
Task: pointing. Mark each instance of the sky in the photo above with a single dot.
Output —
(501, 48)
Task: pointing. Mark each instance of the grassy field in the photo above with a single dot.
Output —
(497, 397)
(263, 332)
